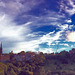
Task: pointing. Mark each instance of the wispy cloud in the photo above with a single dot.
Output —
(68, 6)
(64, 44)
(34, 44)
(61, 49)
(49, 19)
(18, 6)
(10, 30)
(46, 50)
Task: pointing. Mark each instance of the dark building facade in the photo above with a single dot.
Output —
(0, 48)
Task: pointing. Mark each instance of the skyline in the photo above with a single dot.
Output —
(41, 25)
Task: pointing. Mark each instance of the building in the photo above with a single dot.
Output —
(18, 57)
(3, 57)
(1, 48)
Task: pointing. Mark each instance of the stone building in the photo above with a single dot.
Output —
(18, 57)
(3, 57)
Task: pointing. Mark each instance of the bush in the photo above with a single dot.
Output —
(3, 68)
(26, 73)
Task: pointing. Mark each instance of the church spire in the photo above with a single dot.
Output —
(1, 48)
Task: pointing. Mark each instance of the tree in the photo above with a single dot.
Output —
(39, 71)
(22, 52)
(37, 59)
(26, 73)
(11, 72)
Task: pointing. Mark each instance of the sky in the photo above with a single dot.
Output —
(37, 25)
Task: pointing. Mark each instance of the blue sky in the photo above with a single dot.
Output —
(37, 25)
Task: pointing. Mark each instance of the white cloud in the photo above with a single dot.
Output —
(71, 26)
(69, 21)
(61, 49)
(28, 23)
(57, 42)
(71, 11)
(66, 7)
(46, 50)
(51, 32)
(49, 39)
(64, 44)
(33, 44)
(53, 44)
(31, 35)
(72, 46)
(10, 30)
(71, 36)
(49, 19)
(64, 27)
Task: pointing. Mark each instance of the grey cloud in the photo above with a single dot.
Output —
(15, 7)
(49, 19)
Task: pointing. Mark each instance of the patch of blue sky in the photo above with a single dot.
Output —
(47, 29)
(43, 45)
(73, 19)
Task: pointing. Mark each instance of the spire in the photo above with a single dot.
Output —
(1, 48)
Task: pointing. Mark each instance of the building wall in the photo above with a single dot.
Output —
(0, 48)
(4, 57)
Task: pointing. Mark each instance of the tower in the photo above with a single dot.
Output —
(0, 48)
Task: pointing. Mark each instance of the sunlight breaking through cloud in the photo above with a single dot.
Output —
(71, 36)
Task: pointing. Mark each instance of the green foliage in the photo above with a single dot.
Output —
(38, 59)
(11, 67)
(3, 68)
(62, 63)
(11, 72)
(26, 73)
(39, 71)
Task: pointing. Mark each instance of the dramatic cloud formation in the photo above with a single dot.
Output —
(10, 30)
(37, 25)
